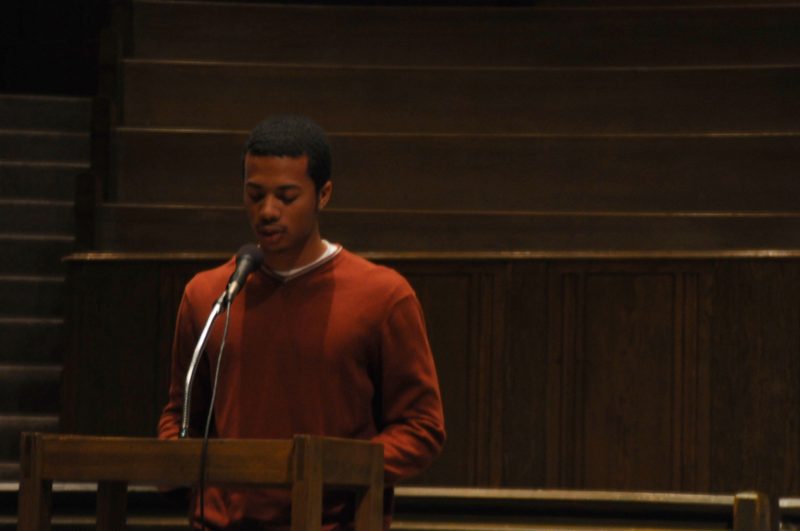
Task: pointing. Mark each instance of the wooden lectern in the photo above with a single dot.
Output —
(304, 464)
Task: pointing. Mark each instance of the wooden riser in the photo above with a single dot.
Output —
(29, 389)
(475, 101)
(44, 113)
(37, 216)
(31, 340)
(543, 36)
(34, 180)
(207, 229)
(33, 255)
(41, 146)
(597, 174)
(40, 296)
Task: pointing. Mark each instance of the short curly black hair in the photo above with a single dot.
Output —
(287, 135)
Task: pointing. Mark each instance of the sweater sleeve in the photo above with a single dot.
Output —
(412, 430)
(182, 348)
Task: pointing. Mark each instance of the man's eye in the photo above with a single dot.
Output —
(287, 199)
(255, 198)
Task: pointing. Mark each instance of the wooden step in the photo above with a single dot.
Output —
(47, 113)
(715, 173)
(666, 34)
(44, 146)
(202, 228)
(33, 254)
(37, 215)
(39, 296)
(39, 180)
(9, 471)
(11, 426)
(465, 100)
(31, 339)
(29, 389)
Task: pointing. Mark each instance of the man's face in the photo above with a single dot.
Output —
(282, 207)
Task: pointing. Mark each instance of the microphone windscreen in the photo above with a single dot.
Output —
(248, 259)
(252, 252)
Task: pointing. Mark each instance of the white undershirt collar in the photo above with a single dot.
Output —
(331, 250)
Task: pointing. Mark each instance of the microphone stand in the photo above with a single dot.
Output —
(198, 351)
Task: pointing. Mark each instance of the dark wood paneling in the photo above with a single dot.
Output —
(693, 309)
(755, 367)
(623, 359)
(111, 368)
(627, 376)
(518, 37)
(655, 374)
(524, 388)
(464, 101)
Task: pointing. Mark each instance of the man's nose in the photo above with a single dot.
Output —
(270, 210)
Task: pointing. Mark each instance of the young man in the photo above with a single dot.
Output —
(320, 341)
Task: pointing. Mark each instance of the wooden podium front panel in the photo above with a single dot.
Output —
(305, 464)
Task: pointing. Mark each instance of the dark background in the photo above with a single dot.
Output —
(50, 47)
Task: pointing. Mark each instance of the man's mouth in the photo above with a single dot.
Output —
(270, 235)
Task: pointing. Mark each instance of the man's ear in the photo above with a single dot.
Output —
(324, 195)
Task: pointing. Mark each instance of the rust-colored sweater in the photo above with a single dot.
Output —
(339, 351)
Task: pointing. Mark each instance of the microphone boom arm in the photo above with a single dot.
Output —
(198, 351)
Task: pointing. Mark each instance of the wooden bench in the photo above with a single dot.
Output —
(474, 509)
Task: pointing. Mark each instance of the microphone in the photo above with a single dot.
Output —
(248, 259)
